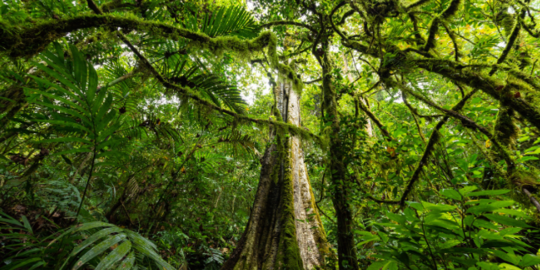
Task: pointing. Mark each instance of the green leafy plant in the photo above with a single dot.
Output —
(466, 233)
(76, 107)
(27, 250)
(124, 244)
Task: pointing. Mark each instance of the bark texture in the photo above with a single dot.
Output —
(285, 230)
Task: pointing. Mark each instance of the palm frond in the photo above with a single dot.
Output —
(230, 21)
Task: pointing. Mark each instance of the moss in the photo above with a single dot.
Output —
(451, 9)
(288, 256)
(322, 242)
(505, 130)
(509, 45)
(434, 25)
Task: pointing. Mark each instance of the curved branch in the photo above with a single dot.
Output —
(433, 139)
(466, 122)
(511, 40)
(275, 23)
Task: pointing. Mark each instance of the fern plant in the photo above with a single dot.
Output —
(124, 243)
(24, 249)
(76, 107)
(31, 251)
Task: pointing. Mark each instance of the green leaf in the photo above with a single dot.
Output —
(128, 262)
(377, 265)
(56, 75)
(27, 225)
(115, 256)
(98, 249)
(509, 257)
(438, 207)
(452, 194)
(64, 123)
(92, 80)
(105, 107)
(23, 263)
(71, 151)
(67, 160)
(66, 140)
(512, 212)
(477, 210)
(529, 260)
(488, 192)
(82, 227)
(39, 264)
(485, 224)
(96, 236)
(464, 191)
(507, 221)
(498, 243)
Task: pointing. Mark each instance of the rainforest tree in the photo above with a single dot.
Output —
(270, 134)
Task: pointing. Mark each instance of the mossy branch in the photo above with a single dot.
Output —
(434, 25)
(466, 122)
(457, 73)
(376, 120)
(277, 23)
(187, 92)
(509, 45)
(433, 139)
(416, 4)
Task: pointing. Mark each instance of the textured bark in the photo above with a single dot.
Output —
(341, 182)
(284, 230)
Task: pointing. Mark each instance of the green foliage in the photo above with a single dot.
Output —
(467, 232)
(38, 252)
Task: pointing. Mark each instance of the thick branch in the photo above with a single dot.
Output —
(275, 23)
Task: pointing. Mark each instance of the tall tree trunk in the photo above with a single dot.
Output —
(341, 182)
(284, 230)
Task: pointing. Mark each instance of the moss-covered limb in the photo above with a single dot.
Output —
(430, 146)
(452, 36)
(533, 199)
(529, 30)
(432, 32)
(433, 139)
(416, 4)
(451, 66)
(522, 76)
(116, 5)
(413, 113)
(345, 16)
(456, 72)
(467, 122)
(487, 84)
(434, 25)
(16, 41)
(505, 130)
(419, 39)
(187, 92)
(94, 7)
(374, 118)
(451, 9)
(336, 29)
(509, 45)
(278, 23)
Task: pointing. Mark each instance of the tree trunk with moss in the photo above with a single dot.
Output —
(284, 230)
